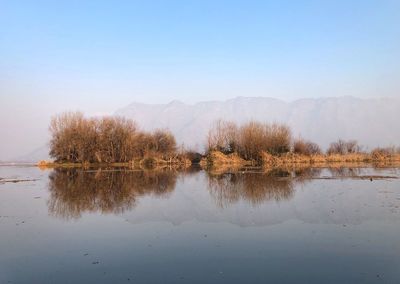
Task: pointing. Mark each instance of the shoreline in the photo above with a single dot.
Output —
(148, 163)
(217, 161)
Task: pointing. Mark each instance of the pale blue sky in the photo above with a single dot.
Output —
(115, 52)
(97, 56)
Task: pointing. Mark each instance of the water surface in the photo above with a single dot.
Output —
(114, 225)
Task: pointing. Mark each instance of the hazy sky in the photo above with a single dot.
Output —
(97, 56)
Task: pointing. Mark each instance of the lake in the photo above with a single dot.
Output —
(336, 225)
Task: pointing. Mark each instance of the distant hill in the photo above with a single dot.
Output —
(36, 155)
(373, 122)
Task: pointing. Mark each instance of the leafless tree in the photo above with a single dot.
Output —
(223, 136)
(249, 139)
(163, 142)
(342, 147)
(105, 140)
(301, 146)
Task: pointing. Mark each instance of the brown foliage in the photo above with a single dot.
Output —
(342, 147)
(249, 139)
(308, 148)
(115, 140)
(255, 137)
(216, 158)
(383, 153)
(73, 137)
(223, 137)
(163, 142)
(77, 139)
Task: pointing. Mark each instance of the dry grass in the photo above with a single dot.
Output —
(156, 162)
(145, 163)
(218, 159)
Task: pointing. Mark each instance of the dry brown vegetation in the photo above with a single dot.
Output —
(217, 158)
(342, 147)
(76, 139)
(303, 147)
(249, 140)
(388, 153)
(271, 145)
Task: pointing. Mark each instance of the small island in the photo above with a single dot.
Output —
(77, 141)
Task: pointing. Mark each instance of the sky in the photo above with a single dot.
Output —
(98, 56)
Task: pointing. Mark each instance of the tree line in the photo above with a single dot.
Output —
(76, 139)
(251, 139)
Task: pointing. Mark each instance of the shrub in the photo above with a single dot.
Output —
(255, 137)
(342, 147)
(73, 137)
(250, 139)
(193, 156)
(223, 137)
(383, 153)
(308, 148)
(163, 142)
(77, 139)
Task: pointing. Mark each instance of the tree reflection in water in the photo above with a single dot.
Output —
(256, 187)
(75, 191)
(343, 172)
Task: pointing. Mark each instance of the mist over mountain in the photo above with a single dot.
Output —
(38, 154)
(373, 122)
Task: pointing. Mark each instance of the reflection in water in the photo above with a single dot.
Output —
(256, 187)
(74, 191)
(343, 172)
(345, 231)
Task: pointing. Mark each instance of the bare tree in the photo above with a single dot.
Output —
(249, 139)
(301, 146)
(164, 143)
(105, 140)
(342, 147)
(73, 137)
(223, 136)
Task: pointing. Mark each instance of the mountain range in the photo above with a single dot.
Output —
(373, 122)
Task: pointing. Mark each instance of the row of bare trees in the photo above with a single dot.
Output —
(304, 147)
(342, 147)
(77, 139)
(249, 139)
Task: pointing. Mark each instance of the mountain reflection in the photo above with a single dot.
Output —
(75, 191)
(256, 187)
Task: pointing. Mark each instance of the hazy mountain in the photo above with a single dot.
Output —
(41, 153)
(373, 122)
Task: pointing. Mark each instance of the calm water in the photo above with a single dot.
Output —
(103, 226)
